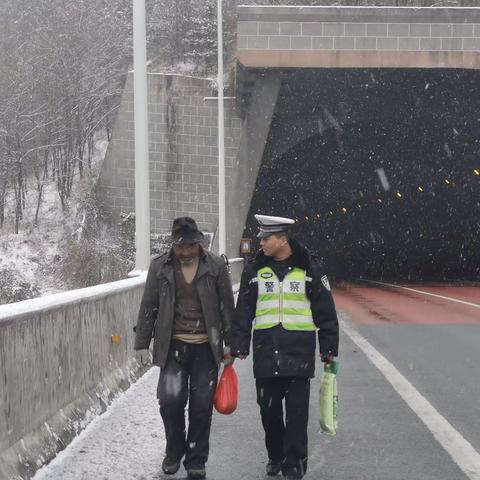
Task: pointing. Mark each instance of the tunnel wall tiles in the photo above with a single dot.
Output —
(358, 36)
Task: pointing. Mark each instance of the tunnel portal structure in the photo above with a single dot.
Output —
(361, 122)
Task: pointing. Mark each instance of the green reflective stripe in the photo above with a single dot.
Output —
(287, 304)
(298, 319)
(296, 304)
(295, 296)
(305, 312)
(265, 297)
(298, 311)
(267, 311)
(310, 327)
(268, 305)
(264, 326)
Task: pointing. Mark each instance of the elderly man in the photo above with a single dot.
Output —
(286, 297)
(187, 307)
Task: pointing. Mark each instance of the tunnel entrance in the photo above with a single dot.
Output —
(381, 170)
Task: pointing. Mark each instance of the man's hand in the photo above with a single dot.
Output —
(228, 359)
(143, 357)
(227, 356)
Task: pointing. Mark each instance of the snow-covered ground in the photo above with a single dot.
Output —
(32, 253)
(126, 442)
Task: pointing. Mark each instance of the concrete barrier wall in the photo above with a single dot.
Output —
(59, 367)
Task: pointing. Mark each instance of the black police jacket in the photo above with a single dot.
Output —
(278, 352)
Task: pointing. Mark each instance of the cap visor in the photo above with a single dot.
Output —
(265, 234)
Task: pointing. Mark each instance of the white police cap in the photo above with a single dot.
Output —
(269, 225)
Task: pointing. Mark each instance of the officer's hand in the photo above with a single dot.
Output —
(328, 358)
(143, 357)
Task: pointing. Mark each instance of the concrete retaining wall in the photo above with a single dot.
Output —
(59, 365)
(183, 152)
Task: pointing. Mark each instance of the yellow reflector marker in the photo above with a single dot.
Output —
(115, 339)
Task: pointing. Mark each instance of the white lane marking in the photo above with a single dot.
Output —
(451, 299)
(461, 451)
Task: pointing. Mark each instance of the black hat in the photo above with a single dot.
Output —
(185, 230)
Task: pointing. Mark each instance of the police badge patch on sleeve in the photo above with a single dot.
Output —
(326, 283)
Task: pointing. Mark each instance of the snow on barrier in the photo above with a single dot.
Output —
(62, 360)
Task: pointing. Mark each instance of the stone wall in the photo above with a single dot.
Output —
(183, 152)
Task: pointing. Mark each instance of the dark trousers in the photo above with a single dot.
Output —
(286, 442)
(190, 374)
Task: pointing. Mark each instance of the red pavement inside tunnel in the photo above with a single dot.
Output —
(381, 305)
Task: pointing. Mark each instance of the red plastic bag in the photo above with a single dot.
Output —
(226, 395)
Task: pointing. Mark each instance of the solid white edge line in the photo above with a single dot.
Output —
(461, 451)
(425, 293)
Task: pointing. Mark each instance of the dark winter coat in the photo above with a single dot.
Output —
(155, 318)
(278, 352)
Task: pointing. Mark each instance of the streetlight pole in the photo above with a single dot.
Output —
(142, 182)
(222, 235)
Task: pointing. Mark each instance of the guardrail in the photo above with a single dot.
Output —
(62, 358)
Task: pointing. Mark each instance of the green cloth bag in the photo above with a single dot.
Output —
(329, 399)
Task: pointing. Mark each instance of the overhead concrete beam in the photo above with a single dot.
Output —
(357, 59)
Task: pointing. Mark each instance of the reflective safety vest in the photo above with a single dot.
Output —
(283, 302)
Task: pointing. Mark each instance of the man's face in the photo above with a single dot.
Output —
(273, 244)
(186, 252)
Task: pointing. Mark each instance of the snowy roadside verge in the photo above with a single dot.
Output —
(126, 442)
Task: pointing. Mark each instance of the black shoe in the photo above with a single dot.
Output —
(170, 466)
(273, 468)
(196, 472)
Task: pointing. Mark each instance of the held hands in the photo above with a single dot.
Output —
(227, 357)
(143, 357)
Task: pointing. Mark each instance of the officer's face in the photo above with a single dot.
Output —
(186, 252)
(274, 244)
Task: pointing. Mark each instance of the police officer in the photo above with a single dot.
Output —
(285, 295)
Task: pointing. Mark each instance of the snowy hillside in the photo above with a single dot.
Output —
(31, 261)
